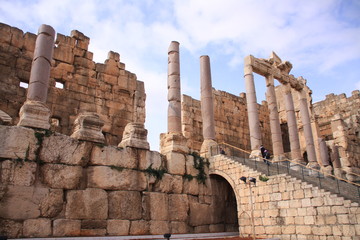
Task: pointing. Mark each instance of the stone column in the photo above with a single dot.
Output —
(324, 154)
(305, 118)
(336, 161)
(207, 106)
(253, 115)
(173, 140)
(292, 125)
(276, 137)
(174, 92)
(34, 112)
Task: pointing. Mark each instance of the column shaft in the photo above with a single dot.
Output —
(174, 92)
(292, 125)
(207, 105)
(305, 118)
(276, 136)
(253, 115)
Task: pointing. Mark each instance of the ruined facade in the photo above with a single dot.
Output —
(91, 173)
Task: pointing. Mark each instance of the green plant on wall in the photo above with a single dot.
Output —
(158, 173)
(199, 164)
(263, 178)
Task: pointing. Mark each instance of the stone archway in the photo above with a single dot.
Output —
(224, 204)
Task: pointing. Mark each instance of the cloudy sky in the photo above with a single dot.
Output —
(320, 38)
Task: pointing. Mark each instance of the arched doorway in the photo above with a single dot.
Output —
(224, 204)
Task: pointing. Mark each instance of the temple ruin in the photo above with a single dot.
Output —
(75, 161)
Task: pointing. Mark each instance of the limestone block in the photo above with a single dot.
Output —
(87, 127)
(17, 142)
(216, 228)
(34, 114)
(22, 202)
(178, 207)
(84, 62)
(159, 227)
(113, 178)
(52, 204)
(64, 54)
(176, 163)
(40, 227)
(108, 69)
(135, 135)
(61, 176)
(29, 41)
(11, 229)
(18, 173)
(125, 205)
(190, 169)
(66, 228)
(112, 156)
(118, 227)
(179, 227)
(200, 214)
(191, 187)
(173, 142)
(90, 203)
(201, 229)
(139, 227)
(151, 158)
(157, 205)
(63, 149)
(169, 184)
(113, 80)
(93, 232)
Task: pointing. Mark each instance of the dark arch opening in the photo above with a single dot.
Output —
(224, 204)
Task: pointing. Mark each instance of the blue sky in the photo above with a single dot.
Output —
(320, 38)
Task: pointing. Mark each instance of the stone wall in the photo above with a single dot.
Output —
(107, 89)
(231, 121)
(287, 208)
(53, 185)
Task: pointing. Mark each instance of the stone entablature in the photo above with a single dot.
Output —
(106, 89)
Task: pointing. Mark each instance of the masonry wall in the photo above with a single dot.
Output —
(231, 121)
(107, 89)
(288, 208)
(52, 185)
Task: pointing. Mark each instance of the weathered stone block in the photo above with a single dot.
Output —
(61, 176)
(139, 227)
(40, 227)
(93, 232)
(91, 203)
(125, 205)
(118, 227)
(63, 149)
(157, 204)
(169, 184)
(301, 229)
(112, 156)
(179, 227)
(17, 142)
(176, 163)
(52, 204)
(21, 202)
(200, 214)
(93, 224)
(113, 178)
(190, 166)
(178, 207)
(11, 229)
(159, 227)
(18, 172)
(191, 187)
(66, 228)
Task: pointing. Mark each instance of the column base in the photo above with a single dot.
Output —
(135, 135)
(88, 128)
(326, 170)
(338, 172)
(256, 155)
(313, 165)
(173, 142)
(34, 114)
(208, 148)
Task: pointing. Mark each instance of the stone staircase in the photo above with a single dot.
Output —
(315, 178)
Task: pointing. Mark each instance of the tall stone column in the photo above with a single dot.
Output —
(34, 112)
(292, 125)
(173, 140)
(305, 118)
(174, 92)
(207, 107)
(253, 115)
(276, 137)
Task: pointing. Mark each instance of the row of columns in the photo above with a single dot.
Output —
(254, 124)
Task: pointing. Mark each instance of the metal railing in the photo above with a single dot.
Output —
(334, 184)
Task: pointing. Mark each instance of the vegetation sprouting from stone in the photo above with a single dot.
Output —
(263, 178)
(117, 168)
(199, 164)
(158, 173)
(188, 177)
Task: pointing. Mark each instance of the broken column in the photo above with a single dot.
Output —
(135, 134)
(34, 113)
(173, 140)
(207, 108)
(324, 154)
(87, 127)
(292, 126)
(276, 137)
(305, 118)
(253, 115)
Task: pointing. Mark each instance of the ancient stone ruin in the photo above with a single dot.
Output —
(75, 161)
